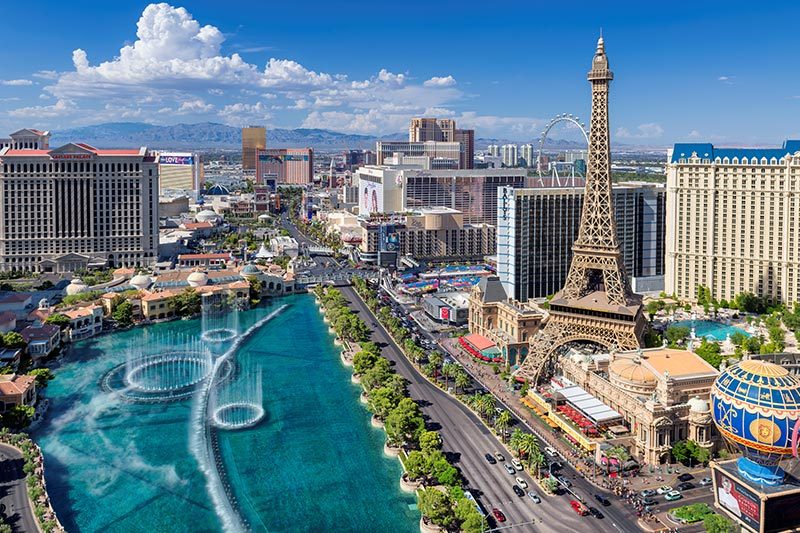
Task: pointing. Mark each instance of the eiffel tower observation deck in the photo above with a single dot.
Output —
(596, 304)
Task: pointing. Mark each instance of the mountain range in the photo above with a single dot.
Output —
(213, 136)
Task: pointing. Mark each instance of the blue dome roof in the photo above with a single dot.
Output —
(250, 269)
(218, 190)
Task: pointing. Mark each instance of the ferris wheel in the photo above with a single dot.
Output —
(558, 119)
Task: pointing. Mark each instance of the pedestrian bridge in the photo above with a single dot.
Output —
(319, 250)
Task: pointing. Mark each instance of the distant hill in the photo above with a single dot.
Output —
(207, 135)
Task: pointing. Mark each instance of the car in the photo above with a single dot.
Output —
(602, 499)
(521, 482)
(649, 502)
(705, 482)
(535, 497)
(646, 493)
(555, 465)
(490, 459)
(518, 491)
(595, 512)
(498, 514)
(517, 464)
(510, 469)
(578, 508)
(564, 481)
(673, 495)
(551, 451)
(499, 456)
(685, 477)
(685, 486)
(663, 489)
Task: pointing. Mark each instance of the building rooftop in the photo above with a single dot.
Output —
(7, 317)
(709, 151)
(14, 384)
(672, 362)
(36, 333)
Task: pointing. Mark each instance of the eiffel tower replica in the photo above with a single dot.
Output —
(596, 304)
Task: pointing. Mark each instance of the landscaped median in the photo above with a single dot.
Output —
(34, 471)
(438, 484)
(700, 512)
(525, 445)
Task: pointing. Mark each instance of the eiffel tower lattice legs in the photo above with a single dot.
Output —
(563, 329)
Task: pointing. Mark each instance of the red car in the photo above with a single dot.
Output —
(578, 508)
(498, 514)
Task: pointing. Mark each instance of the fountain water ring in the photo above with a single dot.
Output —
(219, 335)
(237, 415)
(168, 371)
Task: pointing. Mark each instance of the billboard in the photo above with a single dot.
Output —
(370, 195)
(295, 157)
(175, 159)
(737, 499)
(444, 313)
(389, 238)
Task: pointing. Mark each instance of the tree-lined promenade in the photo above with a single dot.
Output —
(441, 497)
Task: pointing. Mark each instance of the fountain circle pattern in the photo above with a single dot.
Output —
(219, 335)
(169, 371)
(237, 415)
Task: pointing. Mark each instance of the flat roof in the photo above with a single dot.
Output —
(590, 406)
(677, 362)
(478, 341)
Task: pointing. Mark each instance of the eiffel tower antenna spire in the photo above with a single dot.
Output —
(596, 303)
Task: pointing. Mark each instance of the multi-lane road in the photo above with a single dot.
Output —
(467, 439)
(16, 509)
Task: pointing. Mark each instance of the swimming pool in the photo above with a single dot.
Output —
(710, 330)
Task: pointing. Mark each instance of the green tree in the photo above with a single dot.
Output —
(363, 361)
(256, 287)
(681, 451)
(430, 441)
(416, 465)
(711, 352)
(501, 424)
(187, 302)
(405, 422)
(436, 358)
(381, 402)
(57, 319)
(12, 339)
(715, 523)
(437, 507)
(462, 379)
(750, 303)
(376, 376)
(43, 375)
(517, 441)
(448, 371)
(677, 335)
(18, 416)
(123, 314)
(470, 518)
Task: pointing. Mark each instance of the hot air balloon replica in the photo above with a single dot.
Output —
(756, 407)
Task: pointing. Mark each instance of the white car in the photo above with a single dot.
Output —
(663, 490)
(521, 482)
(499, 456)
(551, 452)
(517, 464)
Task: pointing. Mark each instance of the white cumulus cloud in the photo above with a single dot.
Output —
(16, 82)
(195, 106)
(436, 81)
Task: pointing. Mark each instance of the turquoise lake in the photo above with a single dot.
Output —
(313, 463)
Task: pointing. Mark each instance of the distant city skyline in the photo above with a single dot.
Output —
(714, 72)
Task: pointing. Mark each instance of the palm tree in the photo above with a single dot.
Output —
(517, 436)
(448, 371)
(474, 401)
(436, 358)
(502, 423)
(533, 450)
(462, 379)
(488, 404)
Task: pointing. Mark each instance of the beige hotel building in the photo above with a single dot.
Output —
(733, 221)
(77, 206)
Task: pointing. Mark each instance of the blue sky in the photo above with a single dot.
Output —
(719, 71)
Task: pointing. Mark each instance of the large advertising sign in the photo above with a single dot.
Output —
(295, 157)
(171, 159)
(390, 240)
(782, 513)
(444, 313)
(370, 196)
(737, 499)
